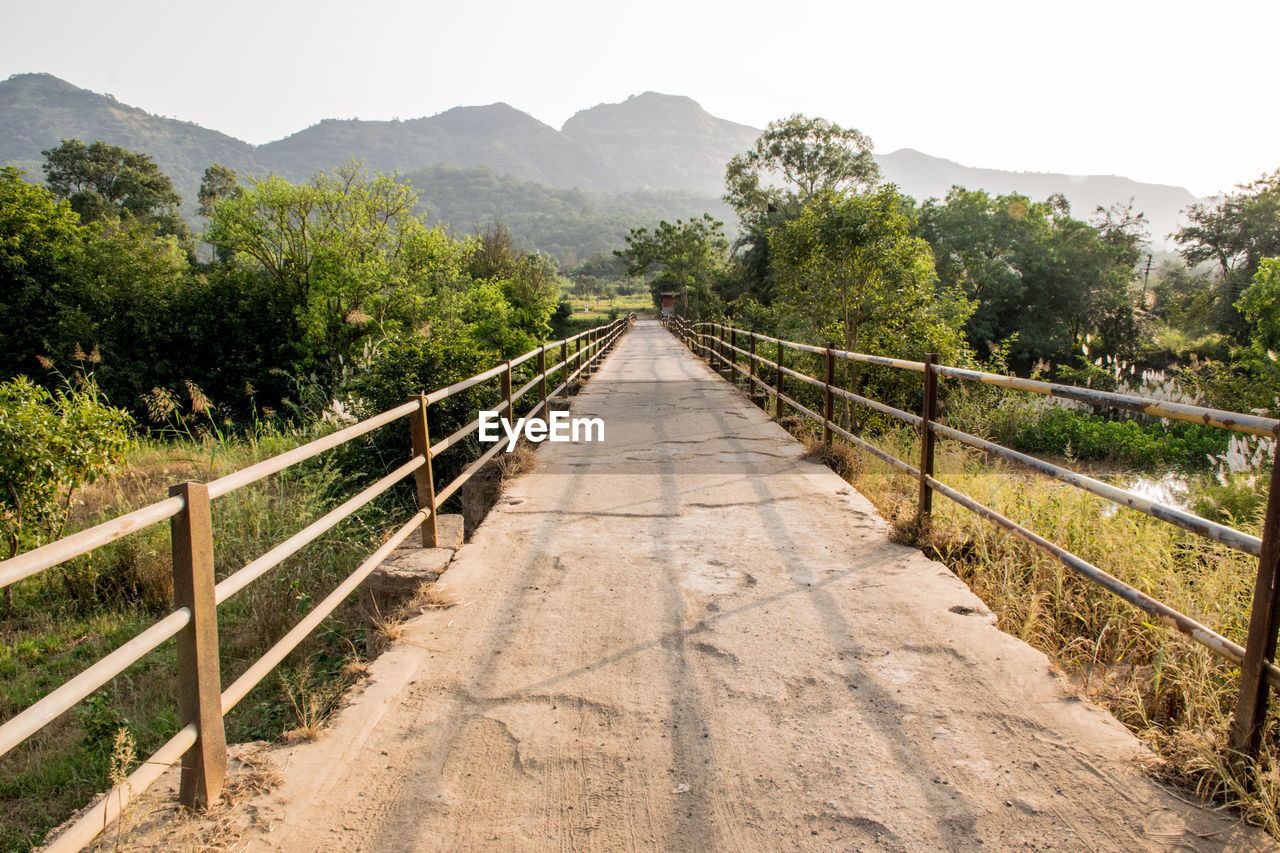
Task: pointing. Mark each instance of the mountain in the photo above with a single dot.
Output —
(651, 142)
(498, 136)
(923, 176)
(38, 111)
(664, 141)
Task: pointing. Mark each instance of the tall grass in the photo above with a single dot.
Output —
(1174, 694)
(67, 617)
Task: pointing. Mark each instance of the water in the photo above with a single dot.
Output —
(1171, 490)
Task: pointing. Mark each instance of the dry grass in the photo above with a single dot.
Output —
(519, 461)
(387, 628)
(1172, 692)
(313, 697)
(155, 822)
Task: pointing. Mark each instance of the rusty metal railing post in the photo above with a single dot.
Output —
(779, 388)
(828, 402)
(424, 480)
(929, 413)
(204, 765)
(733, 355)
(1251, 705)
(542, 378)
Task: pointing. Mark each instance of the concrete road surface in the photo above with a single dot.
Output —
(688, 638)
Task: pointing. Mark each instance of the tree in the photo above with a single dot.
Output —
(850, 268)
(40, 244)
(109, 182)
(684, 258)
(218, 183)
(346, 250)
(809, 154)
(1260, 304)
(51, 445)
(1234, 232)
(768, 186)
(1037, 273)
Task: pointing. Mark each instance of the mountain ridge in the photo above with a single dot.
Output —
(650, 141)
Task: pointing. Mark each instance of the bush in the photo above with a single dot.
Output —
(50, 445)
(1048, 428)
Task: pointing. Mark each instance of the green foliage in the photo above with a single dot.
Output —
(40, 247)
(50, 446)
(684, 258)
(110, 182)
(347, 252)
(526, 283)
(809, 154)
(1038, 427)
(1183, 297)
(1260, 304)
(851, 271)
(408, 364)
(1234, 232)
(1035, 271)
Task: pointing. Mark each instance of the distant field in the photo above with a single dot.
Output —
(640, 303)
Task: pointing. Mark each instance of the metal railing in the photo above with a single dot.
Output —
(200, 742)
(719, 344)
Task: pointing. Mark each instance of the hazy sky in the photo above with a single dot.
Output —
(1171, 92)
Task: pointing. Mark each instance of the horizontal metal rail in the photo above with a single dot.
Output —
(458, 387)
(276, 464)
(1234, 421)
(313, 531)
(108, 809)
(35, 717)
(46, 556)
(1228, 536)
(277, 653)
(1206, 637)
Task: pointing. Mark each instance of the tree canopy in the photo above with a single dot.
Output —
(807, 155)
(1038, 277)
(107, 181)
(1234, 232)
(684, 258)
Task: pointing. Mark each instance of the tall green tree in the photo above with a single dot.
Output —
(1036, 273)
(806, 156)
(1234, 232)
(527, 282)
(41, 241)
(684, 258)
(346, 250)
(851, 271)
(110, 182)
(767, 186)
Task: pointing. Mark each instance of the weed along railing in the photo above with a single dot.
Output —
(723, 346)
(200, 742)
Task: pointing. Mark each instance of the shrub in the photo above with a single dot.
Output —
(50, 445)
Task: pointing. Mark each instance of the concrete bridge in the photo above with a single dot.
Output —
(689, 637)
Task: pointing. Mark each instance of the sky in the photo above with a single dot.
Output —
(1168, 92)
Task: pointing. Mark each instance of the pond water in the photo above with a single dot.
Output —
(1171, 490)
